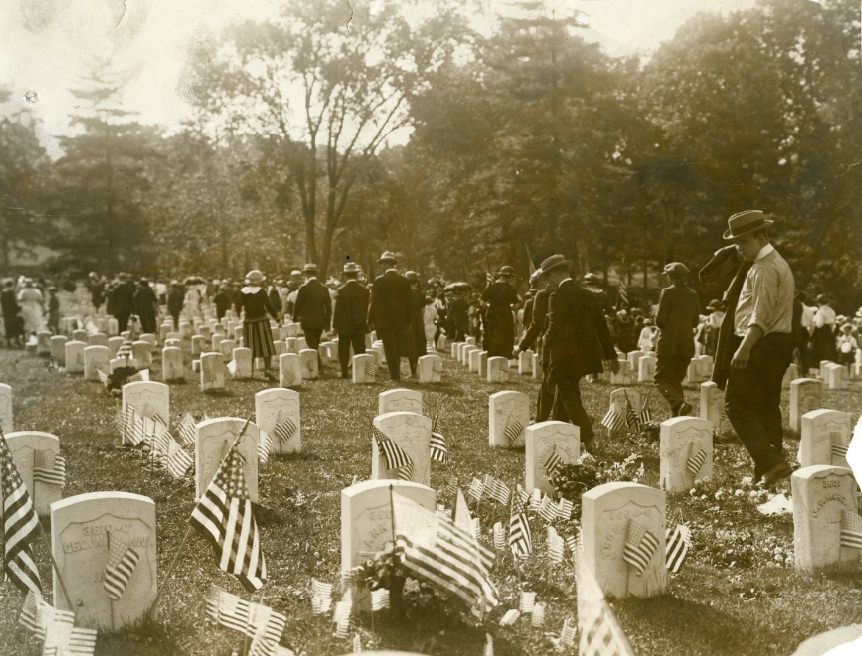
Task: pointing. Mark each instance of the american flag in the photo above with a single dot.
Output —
(526, 601)
(632, 418)
(678, 542)
(520, 538)
(64, 639)
(645, 414)
(186, 430)
(122, 560)
(498, 491)
(613, 420)
(36, 613)
(396, 458)
(851, 530)
(288, 377)
(439, 551)
(224, 515)
(553, 463)
(567, 633)
(284, 430)
(547, 509)
(178, 461)
(451, 485)
(247, 617)
(565, 509)
(537, 615)
(380, 599)
(264, 447)
(513, 431)
(370, 370)
(556, 548)
(342, 615)
(839, 450)
(695, 461)
(499, 536)
(19, 524)
(439, 452)
(475, 490)
(639, 547)
(623, 293)
(600, 633)
(522, 498)
(49, 467)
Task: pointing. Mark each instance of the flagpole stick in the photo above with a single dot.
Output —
(110, 599)
(185, 537)
(56, 567)
(392, 570)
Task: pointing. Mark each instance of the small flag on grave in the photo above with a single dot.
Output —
(520, 539)
(451, 485)
(600, 633)
(379, 599)
(439, 452)
(122, 560)
(248, 617)
(284, 430)
(513, 431)
(499, 536)
(639, 547)
(851, 530)
(695, 460)
(839, 450)
(397, 459)
(556, 548)
(547, 509)
(498, 491)
(613, 420)
(321, 596)
(553, 464)
(64, 638)
(477, 529)
(341, 616)
(20, 525)
(574, 543)
(186, 430)
(522, 498)
(264, 447)
(526, 601)
(565, 509)
(632, 418)
(179, 461)
(645, 415)
(370, 370)
(536, 500)
(36, 613)
(49, 467)
(225, 516)
(474, 493)
(538, 615)
(678, 542)
(567, 633)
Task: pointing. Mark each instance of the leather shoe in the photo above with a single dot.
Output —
(776, 473)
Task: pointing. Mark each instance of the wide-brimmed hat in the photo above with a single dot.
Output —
(351, 267)
(507, 271)
(254, 277)
(387, 256)
(309, 268)
(591, 277)
(744, 223)
(296, 272)
(412, 276)
(554, 262)
(714, 304)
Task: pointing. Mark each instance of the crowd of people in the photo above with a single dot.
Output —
(572, 324)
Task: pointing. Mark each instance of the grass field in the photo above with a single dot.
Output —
(737, 593)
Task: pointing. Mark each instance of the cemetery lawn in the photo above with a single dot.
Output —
(736, 594)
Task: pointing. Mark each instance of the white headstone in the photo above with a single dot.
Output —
(309, 362)
(410, 431)
(646, 368)
(96, 358)
(149, 398)
(617, 400)
(364, 368)
(242, 362)
(216, 341)
(705, 365)
(623, 376)
(58, 349)
(172, 363)
(6, 408)
(75, 356)
(212, 371)
(292, 344)
(275, 406)
(634, 357)
(606, 515)
(185, 329)
(79, 335)
(508, 416)
(525, 362)
(173, 342)
(453, 349)
(790, 374)
(710, 404)
(97, 339)
(820, 431)
(544, 439)
(483, 364)
(82, 528)
(836, 376)
(150, 339)
(226, 347)
(399, 400)
(538, 372)
(685, 451)
(821, 493)
(366, 522)
(213, 439)
(290, 370)
(113, 326)
(805, 396)
(430, 369)
(498, 370)
(473, 360)
(24, 445)
(43, 342)
(142, 354)
(114, 343)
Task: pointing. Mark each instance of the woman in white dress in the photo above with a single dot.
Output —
(32, 306)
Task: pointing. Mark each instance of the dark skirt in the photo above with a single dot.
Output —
(257, 336)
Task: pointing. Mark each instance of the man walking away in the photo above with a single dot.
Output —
(313, 307)
(349, 319)
(389, 312)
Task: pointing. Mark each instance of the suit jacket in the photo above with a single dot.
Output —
(313, 305)
(390, 304)
(122, 299)
(577, 338)
(677, 317)
(538, 321)
(351, 309)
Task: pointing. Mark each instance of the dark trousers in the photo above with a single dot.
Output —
(545, 402)
(123, 320)
(669, 372)
(753, 399)
(312, 336)
(569, 407)
(176, 317)
(357, 341)
(392, 342)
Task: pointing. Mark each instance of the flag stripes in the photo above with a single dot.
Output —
(396, 458)
(513, 431)
(284, 430)
(179, 461)
(20, 524)
(121, 564)
(851, 530)
(439, 452)
(553, 464)
(639, 547)
(49, 467)
(520, 538)
(678, 541)
(839, 450)
(695, 461)
(224, 515)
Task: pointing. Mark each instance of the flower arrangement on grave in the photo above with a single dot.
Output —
(571, 480)
(384, 570)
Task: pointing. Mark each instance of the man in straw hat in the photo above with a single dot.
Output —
(350, 316)
(499, 297)
(577, 341)
(389, 312)
(760, 344)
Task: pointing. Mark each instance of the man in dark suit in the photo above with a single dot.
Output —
(416, 346)
(676, 318)
(389, 312)
(499, 297)
(350, 316)
(145, 305)
(313, 307)
(577, 340)
(122, 301)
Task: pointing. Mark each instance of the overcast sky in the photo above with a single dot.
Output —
(45, 45)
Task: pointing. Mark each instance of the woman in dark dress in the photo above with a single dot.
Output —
(256, 331)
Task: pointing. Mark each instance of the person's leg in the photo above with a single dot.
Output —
(771, 357)
(393, 352)
(358, 343)
(568, 400)
(344, 342)
(668, 382)
(545, 402)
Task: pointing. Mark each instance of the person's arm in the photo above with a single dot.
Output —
(663, 310)
(764, 287)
